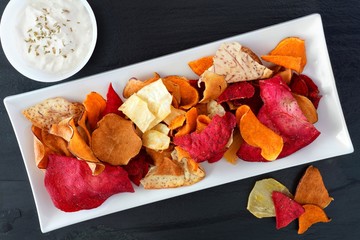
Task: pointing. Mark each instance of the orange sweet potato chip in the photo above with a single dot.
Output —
(311, 189)
(177, 122)
(230, 154)
(201, 122)
(289, 53)
(189, 95)
(215, 85)
(84, 129)
(41, 151)
(134, 85)
(307, 107)
(190, 122)
(199, 66)
(94, 104)
(55, 143)
(313, 214)
(257, 134)
(291, 62)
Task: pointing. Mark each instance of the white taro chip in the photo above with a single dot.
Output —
(155, 140)
(260, 202)
(149, 106)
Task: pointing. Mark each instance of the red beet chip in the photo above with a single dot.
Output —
(255, 102)
(304, 85)
(314, 93)
(283, 115)
(286, 209)
(72, 187)
(137, 168)
(299, 86)
(210, 144)
(113, 102)
(237, 90)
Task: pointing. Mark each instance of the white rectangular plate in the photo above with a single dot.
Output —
(333, 141)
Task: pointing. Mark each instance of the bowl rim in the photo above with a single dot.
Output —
(37, 74)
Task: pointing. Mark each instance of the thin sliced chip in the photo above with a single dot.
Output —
(237, 90)
(230, 154)
(177, 122)
(158, 156)
(94, 104)
(286, 209)
(214, 108)
(202, 121)
(286, 75)
(72, 187)
(134, 85)
(236, 64)
(113, 102)
(41, 151)
(55, 143)
(311, 189)
(215, 85)
(174, 112)
(313, 214)
(291, 46)
(210, 144)
(79, 148)
(155, 140)
(161, 127)
(260, 202)
(257, 134)
(293, 63)
(169, 174)
(190, 122)
(138, 111)
(199, 66)
(119, 148)
(307, 107)
(84, 128)
(52, 111)
(137, 168)
(189, 95)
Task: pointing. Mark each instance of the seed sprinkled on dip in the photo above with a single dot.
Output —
(55, 34)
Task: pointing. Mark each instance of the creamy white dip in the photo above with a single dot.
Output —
(55, 35)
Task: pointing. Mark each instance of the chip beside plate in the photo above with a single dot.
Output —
(334, 134)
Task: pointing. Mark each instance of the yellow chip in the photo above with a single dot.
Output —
(260, 202)
(149, 106)
(137, 110)
(155, 140)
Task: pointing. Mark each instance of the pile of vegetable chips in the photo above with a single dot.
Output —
(159, 131)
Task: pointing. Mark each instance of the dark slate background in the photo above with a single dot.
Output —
(132, 31)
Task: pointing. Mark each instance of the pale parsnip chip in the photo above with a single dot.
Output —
(155, 140)
(137, 110)
(149, 106)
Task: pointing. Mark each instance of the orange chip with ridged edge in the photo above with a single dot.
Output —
(199, 66)
(289, 53)
(311, 189)
(189, 95)
(190, 122)
(94, 104)
(313, 214)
